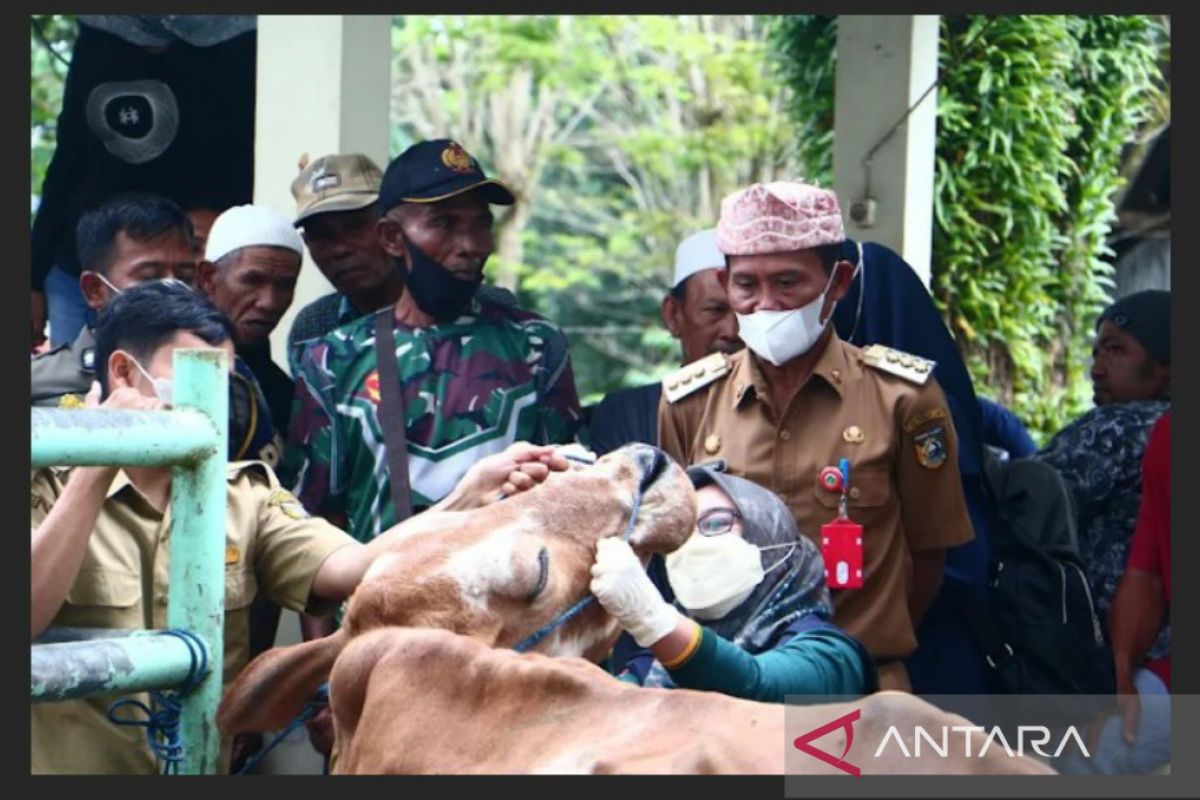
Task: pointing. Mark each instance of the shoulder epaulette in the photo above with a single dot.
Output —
(686, 380)
(896, 362)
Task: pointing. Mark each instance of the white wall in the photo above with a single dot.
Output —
(324, 85)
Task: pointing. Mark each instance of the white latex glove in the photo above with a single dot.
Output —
(620, 583)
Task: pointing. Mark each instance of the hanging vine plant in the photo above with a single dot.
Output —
(1032, 125)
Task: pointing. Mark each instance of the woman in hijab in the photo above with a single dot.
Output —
(758, 588)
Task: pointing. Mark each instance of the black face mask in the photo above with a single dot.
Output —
(435, 289)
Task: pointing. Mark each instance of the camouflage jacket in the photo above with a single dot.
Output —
(470, 388)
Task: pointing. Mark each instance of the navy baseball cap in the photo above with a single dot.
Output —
(437, 170)
(1146, 316)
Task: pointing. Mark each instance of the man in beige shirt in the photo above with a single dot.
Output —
(799, 399)
(101, 546)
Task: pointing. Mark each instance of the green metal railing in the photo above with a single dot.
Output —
(74, 663)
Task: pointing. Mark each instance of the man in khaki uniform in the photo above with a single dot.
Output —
(100, 543)
(799, 399)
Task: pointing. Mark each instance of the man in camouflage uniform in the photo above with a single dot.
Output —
(476, 376)
(336, 213)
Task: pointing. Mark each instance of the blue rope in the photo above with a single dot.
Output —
(162, 715)
(574, 611)
(319, 701)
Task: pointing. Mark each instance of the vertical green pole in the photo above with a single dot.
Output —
(196, 596)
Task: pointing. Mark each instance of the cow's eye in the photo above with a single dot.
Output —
(543, 574)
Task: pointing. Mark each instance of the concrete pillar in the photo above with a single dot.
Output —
(884, 63)
(323, 86)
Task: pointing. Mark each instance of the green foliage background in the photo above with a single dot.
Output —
(1033, 124)
(51, 37)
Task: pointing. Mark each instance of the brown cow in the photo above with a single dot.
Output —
(409, 698)
(483, 573)
(412, 701)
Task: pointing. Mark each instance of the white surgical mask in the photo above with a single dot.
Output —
(107, 283)
(780, 336)
(162, 386)
(712, 575)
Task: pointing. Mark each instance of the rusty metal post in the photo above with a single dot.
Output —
(193, 438)
(196, 596)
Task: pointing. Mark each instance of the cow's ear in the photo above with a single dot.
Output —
(274, 688)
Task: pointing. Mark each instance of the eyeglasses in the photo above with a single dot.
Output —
(716, 521)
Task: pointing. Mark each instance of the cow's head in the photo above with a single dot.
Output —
(498, 573)
(504, 571)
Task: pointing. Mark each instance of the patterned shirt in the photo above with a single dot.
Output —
(470, 388)
(1100, 457)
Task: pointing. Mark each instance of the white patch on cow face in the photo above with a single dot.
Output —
(576, 645)
(482, 566)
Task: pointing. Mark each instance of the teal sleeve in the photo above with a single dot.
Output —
(818, 662)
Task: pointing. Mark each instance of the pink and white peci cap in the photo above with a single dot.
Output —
(778, 217)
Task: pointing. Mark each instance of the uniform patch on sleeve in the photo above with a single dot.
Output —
(925, 417)
(931, 448)
(286, 502)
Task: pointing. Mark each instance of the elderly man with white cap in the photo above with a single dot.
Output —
(696, 313)
(855, 441)
(251, 263)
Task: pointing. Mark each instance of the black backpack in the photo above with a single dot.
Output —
(1040, 631)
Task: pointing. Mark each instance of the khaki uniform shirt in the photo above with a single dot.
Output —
(271, 543)
(905, 488)
(62, 377)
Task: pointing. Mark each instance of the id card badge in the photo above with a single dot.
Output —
(842, 550)
(842, 539)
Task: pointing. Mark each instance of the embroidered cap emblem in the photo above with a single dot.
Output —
(458, 159)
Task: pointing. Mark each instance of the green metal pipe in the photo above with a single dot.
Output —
(196, 596)
(139, 662)
(89, 437)
(64, 634)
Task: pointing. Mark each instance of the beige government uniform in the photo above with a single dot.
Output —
(270, 543)
(879, 408)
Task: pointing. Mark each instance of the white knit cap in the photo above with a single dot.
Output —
(697, 253)
(251, 226)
